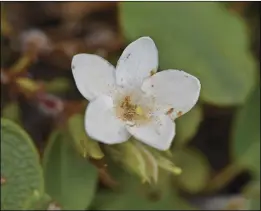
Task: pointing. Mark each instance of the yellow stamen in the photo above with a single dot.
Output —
(139, 111)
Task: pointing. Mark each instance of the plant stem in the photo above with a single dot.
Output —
(224, 177)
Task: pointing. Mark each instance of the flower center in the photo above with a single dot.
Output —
(130, 109)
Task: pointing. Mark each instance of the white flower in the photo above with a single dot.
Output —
(132, 99)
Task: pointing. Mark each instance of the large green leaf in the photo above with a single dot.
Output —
(246, 134)
(70, 179)
(20, 167)
(202, 38)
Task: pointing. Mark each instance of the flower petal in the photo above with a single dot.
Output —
(175, 90)
(93, 75)
(102, 124)
(158, 133)
(138, 61)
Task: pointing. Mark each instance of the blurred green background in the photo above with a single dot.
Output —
(47, 160)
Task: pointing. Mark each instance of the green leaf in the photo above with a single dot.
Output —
(85, 145)
(20, 167)
(70, 179)
(137, 197)
(187, 126)
(195, 170)
(12, 112)
(201, 38)
(42, 202)
(254, 204)
(133, 200)
(57, 85)
(252, 189)
(131, 194)
(246, 134)
(252, 192)
(39, 202)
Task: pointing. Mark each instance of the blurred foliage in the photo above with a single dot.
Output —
(132, 194)
(202, 38)
(195, 170)
(134, 198)
(42, 111)
(246, 134)
(188, 125)
(57, 85)
(27, 84)
(252, 192)
(12, 112)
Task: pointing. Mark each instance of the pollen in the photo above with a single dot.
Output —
(127, 109)
(139, 111)
(130, 111)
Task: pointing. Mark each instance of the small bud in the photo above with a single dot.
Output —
(132, 159)
(35, 41)
(176, 170)
(50, 104)
(151, 164)
(166, 164)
